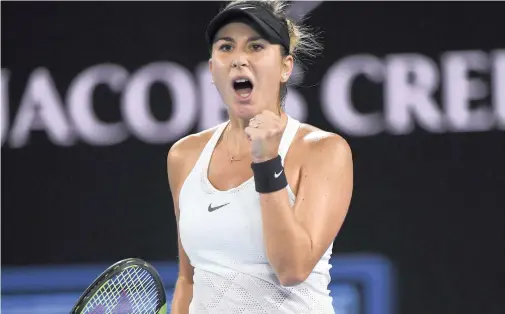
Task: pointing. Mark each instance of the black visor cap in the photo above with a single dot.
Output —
(266, 23)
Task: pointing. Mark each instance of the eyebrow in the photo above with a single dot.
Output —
(227, 38)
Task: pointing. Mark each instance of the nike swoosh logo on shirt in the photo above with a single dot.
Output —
(276, 175)
(211, 209)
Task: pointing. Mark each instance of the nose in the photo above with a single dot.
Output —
(240, 61)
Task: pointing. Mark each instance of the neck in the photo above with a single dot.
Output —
(237, 125)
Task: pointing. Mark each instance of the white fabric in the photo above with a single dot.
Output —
(231, 272)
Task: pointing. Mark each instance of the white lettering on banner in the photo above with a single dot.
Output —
(41, 108)
(136, 102)
(460, 90)
(295, 105)
(80, 105)
(336, 95)
(498, 79)
(411, 84)
(4, 110)
(412, 79)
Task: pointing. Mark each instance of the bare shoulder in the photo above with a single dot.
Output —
(184, 153)
(322, 145)
(188, 145)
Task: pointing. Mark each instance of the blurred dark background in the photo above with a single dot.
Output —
(95, 93)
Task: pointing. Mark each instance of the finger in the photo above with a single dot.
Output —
(254, 133)
(259, 118)
(255, 123)
(249, 131)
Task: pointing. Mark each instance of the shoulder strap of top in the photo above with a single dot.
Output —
(287, 137)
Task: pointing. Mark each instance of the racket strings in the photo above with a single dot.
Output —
(133, 290)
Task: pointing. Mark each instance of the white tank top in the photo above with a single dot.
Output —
(221, 232)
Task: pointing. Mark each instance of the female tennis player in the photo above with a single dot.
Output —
(260, 198)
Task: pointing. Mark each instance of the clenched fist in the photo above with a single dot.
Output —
(265, 133)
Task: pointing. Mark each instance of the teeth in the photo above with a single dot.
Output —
(244, 95)
(241, 81)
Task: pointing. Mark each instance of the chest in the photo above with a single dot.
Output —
(225, 175)
(222, 225)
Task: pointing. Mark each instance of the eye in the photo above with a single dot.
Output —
(257, 47)
(225, 47)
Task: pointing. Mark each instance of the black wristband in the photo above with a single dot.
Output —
(269, 175)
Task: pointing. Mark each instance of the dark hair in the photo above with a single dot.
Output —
(303, 41)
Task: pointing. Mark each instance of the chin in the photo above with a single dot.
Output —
(245, 111)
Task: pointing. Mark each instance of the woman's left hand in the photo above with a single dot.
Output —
(265, 133)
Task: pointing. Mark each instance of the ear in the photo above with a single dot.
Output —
(210, 70)
(288, 63)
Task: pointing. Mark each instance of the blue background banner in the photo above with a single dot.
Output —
(361, 284)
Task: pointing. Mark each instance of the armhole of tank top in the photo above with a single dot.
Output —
(197, 167)
(292, 129)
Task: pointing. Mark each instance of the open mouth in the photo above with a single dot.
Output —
(243, 87)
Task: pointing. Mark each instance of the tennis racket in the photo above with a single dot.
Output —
(130, 286)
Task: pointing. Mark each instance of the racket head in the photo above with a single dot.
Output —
(111, 273)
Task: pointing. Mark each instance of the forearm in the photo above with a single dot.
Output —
(183, 294)
(288, 244)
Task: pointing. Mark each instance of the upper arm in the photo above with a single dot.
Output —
(324, 190)
(177, 172)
